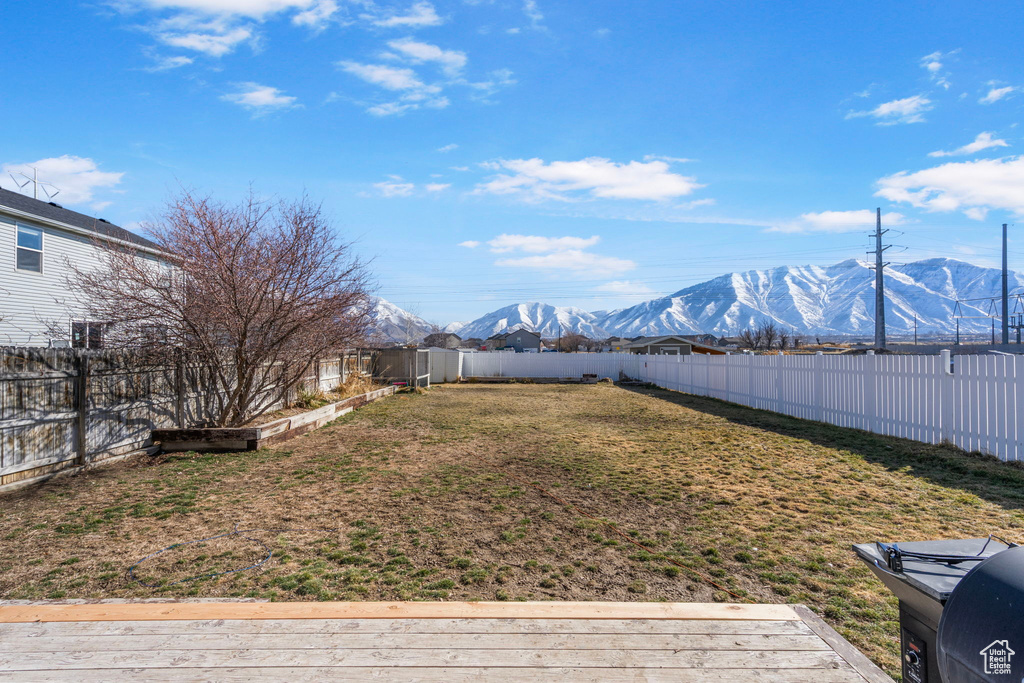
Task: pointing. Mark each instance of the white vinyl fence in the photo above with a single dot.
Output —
(974, 402)
(445, 365)
(549, 365)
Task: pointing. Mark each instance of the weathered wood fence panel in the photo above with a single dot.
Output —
(66, 407)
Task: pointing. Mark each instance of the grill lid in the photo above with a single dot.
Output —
(935, 579)
(981, 633)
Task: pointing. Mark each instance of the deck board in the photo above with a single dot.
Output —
(234, 641)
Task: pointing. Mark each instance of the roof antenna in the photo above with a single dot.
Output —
(37, 184)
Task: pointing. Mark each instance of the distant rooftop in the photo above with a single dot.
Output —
(56, 212)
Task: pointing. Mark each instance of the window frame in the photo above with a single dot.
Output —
(18, 227)
(87, 336)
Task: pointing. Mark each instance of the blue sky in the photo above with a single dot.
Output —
(593, 154)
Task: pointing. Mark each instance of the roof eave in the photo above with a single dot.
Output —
(79, 231)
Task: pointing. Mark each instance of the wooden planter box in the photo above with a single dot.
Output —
(231, 439)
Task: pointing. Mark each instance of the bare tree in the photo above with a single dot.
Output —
(784, 337)
(747, 339)
(253, 293)
(571, 341)
(758, 338)
(441, 339)
(797, 341)
(769, 333)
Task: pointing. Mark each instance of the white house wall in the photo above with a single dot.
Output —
(31, 303)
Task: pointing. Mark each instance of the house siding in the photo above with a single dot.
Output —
(31, 304)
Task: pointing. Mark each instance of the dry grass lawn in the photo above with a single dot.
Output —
(404, 500)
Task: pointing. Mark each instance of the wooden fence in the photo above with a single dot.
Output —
(61, 408)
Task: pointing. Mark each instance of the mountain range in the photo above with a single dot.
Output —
(836, 299)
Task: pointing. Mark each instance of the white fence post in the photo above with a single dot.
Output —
(947, 397)
(919, 398)
(870, 399)
(819, 386)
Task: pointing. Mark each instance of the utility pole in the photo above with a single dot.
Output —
(879, 281)
(915, 330)
(1006, 296)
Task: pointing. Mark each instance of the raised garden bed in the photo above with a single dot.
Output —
(232, 439)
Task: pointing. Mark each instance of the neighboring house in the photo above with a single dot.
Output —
(38, 241)
(615, 344)
(522, 340)
(706, 339)
(660, 346)
(706, 349)
(443, 340)
(730, 341)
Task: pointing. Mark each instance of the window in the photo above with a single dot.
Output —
(87, 335)
(30, 249)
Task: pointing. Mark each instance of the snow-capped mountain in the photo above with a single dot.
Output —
(394, 324)
(541, 318)
(455, 327)
(837, 299)
(832, 299)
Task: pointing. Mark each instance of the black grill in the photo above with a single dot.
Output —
(957, 598)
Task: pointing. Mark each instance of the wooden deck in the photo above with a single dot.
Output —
(308, 641)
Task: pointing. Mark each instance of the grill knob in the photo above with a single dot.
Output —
(912, 658)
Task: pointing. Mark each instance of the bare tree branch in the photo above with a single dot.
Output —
(255, 293)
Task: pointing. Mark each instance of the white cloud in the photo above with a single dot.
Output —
(662, 157)
(933, 64)
(497, 79)
(77, 178)
(436, 187)
(460, 168)
(533, 13)
(566, 254)
(596, 177)
(573, 261)
(906, 110)
(983, 141)
(974, 187)
(626, 288)
(838, 221)
(168, 63)
(260, 99)
(515, 30)
(212, 44)
(420, 14)
(996, 94)
(217, 27)
(415, 93)
(395, 189)
(709, 201)
(448, 148)
(451, 61)
(389, 77)
(535, 244)
(317, 16)
(255, 9)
